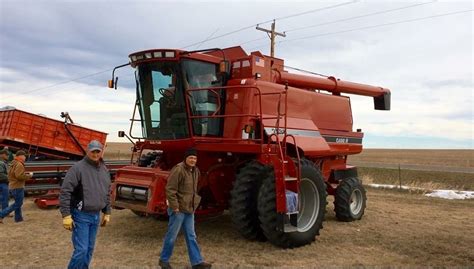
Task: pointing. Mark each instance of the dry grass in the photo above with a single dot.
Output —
(422, 179)
(447, 158)
(398, 229)
(118, 151)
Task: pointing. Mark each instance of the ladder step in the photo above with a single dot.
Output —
(288, 178)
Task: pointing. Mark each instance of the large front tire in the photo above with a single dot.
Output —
(312, 208)
(243, 201)
(350, 200)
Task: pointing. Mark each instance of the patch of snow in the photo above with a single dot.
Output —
(445, 194)
(387, 186)
(451, 194)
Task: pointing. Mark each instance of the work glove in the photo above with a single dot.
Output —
(68, 223)
(105, 219)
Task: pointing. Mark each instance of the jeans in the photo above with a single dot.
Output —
(83, 238)
(3, 195)
(18, 195)
(178, 221)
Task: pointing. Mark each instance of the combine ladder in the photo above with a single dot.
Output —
(282, 175)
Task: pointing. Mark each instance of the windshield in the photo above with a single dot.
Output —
(162, 106)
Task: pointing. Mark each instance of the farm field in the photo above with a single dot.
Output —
(443, 159)
(398, 229)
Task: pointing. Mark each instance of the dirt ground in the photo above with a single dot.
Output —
(398, 229)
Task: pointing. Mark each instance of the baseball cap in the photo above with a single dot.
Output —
(94, 145)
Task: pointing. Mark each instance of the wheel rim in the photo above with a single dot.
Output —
(309, 202)
(356, 201)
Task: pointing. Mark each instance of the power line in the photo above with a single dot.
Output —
(280, 18)
(207, 38)
(80, 87)
(344, 19)
(61, 83)
(313, 11)
(369, 27)
(305, 71)
(378, 25)
(360, 16)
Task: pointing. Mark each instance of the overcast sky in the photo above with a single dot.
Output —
(427, 63)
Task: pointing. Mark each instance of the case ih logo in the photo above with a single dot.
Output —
(342, 140)
(274, 131)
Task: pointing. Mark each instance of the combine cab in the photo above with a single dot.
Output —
(271, 145)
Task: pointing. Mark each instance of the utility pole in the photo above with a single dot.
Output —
(272, 35)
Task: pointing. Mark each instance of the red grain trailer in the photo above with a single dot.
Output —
(53, 146)
(44, 137)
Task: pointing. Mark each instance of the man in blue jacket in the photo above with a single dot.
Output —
(3, 179)
(84, 194)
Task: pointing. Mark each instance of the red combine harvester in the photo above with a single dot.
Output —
(271, 145)
(53, 147)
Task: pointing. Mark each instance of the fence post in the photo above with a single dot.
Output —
(399, 177)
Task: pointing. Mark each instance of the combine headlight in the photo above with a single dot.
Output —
(157, 54)
(133, 58)
(169, 54)
(148, 55)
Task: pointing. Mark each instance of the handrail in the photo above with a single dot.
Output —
(213, 89)
(259, 116)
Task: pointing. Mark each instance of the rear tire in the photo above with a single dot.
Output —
(315, 206)
(350, 200)
(243, 201)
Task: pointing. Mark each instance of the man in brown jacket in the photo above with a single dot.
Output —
(16, 178)
(182, 198)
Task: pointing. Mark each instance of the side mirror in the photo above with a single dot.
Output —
(112, 84)
(224, 68)
(123, 134)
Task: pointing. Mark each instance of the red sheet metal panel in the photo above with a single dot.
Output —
(45, 133)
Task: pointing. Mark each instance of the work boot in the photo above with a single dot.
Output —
(164, 265)
(202, 265)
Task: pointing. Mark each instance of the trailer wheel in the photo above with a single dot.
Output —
(243, 201)
(312, 208)
(350, 200)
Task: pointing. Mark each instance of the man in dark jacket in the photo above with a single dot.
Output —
(3, 179)
(16, 183)
(84, 194)
(182, 199)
